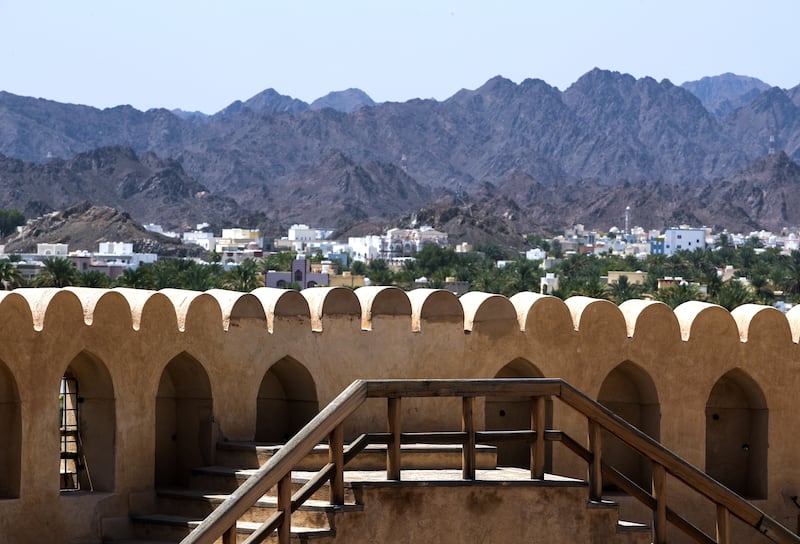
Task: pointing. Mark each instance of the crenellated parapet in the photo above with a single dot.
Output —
(166, 374)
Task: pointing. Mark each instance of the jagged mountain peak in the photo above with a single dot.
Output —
(726, 92)
(346, 101)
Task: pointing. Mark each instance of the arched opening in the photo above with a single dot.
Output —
(287, 400)
(514, 413)
(11, 444)
(184, 421)
(298, 276)
(87, 426)
(630, 392)
(737, 421)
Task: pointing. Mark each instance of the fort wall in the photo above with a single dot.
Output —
(163, 375)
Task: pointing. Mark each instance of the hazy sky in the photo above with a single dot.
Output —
(203, 55)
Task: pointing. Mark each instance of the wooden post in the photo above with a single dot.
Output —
(537, 448)
(285, 506)
(723, 525)
(393, 447)
(660, 514)
(468, 451)
(229, 536)
(595, 468)
(336, 456)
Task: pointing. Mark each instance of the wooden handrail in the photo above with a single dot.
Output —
(282, 463)
(327, 425)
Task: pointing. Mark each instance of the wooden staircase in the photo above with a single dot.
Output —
(478, 503)
(429, 471)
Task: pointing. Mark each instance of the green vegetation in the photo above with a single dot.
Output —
(771, 275)
(9, 221)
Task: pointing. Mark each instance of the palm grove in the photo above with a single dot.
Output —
(771, 274)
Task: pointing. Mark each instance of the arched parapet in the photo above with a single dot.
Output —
(434, 306)
(326, 303)
(793, 317)
(488, 314)
(763, 324)
(599, 324)
(281, 305)
(710, 333)
(53, 308)
(103, 306)
(703, 321)
(150, 309)
(15, 311)
(379, 301)
(236, 306)
(646, 317)
(543, 316)
(195, 310)
(653, 329)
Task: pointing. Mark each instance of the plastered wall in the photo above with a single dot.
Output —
(227, 365)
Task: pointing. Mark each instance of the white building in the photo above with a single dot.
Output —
(684, 238)
(52, 250)
(200, 238)
(365, 248)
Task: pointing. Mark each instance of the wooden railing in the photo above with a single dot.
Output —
(328, 425)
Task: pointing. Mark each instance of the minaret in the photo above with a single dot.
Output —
(627, 222)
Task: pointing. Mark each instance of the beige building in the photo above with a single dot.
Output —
(149, 384)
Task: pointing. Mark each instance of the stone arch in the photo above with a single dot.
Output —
(287, 400)
(184, 421)
(630, 392)
(737, 422)
(514, 413)
(11, 444)
(87, 426)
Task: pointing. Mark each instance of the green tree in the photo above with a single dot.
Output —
(10, 276)
(734, 293)
(378, 272)
(9, 221)
(281, 262)
(358, 268)
(138, 278)
(93, 278)
(624, 290)
(58, 272)
(244, 277)
(676, 295)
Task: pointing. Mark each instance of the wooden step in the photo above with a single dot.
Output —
(173, 528)
(373, 457)
(198, 503)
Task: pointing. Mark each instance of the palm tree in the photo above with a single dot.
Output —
(138, 278)
(10, 276)
(678, 294)
(58, 272)
(93, 278)
(244, 277)
(734, 293)
(624, 290)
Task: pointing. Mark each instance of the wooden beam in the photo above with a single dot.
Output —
(660, 512)
(537, 448)
(595, 467)
(468, 427)
(723, 525)
(285, 506)
(393, 447)
(336, 457)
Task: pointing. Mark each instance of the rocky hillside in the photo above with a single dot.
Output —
(84, 226)
(147, 187)
(280, 160)
(724, 93)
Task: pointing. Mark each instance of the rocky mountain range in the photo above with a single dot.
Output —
(524, 157)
